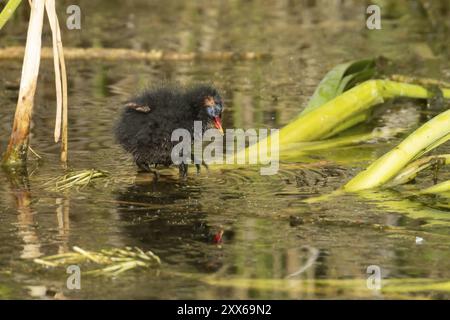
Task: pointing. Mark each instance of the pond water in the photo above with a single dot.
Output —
(270, 233)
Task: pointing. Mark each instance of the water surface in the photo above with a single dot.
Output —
(269, 232)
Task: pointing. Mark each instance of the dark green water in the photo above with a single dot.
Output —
(269, 232)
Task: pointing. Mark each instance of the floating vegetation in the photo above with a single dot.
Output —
(294, 150)
(339, 79)
(442, 187)
(420, 81)
(114, 261)
(76, 179)
(429, 136)
(341, 102)
(411, 171)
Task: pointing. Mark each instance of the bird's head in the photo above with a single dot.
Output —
(208, 106)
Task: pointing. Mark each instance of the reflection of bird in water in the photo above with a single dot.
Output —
(169, 221)
(148, 121)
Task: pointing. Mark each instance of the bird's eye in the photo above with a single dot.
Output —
(211, 112)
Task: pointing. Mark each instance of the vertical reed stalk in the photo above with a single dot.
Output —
(16, 152)
(60, 79)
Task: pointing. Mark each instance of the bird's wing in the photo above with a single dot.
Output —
(138, 107)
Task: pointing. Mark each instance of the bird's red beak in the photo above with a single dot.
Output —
(218, 124)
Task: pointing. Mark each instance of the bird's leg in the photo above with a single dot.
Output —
(146, 168)
(156, 173)
(143, 166)
(183, 168)
(199, 167)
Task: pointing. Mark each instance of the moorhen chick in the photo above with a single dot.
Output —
(147, 122)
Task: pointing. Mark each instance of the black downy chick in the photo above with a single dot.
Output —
(147, 122)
